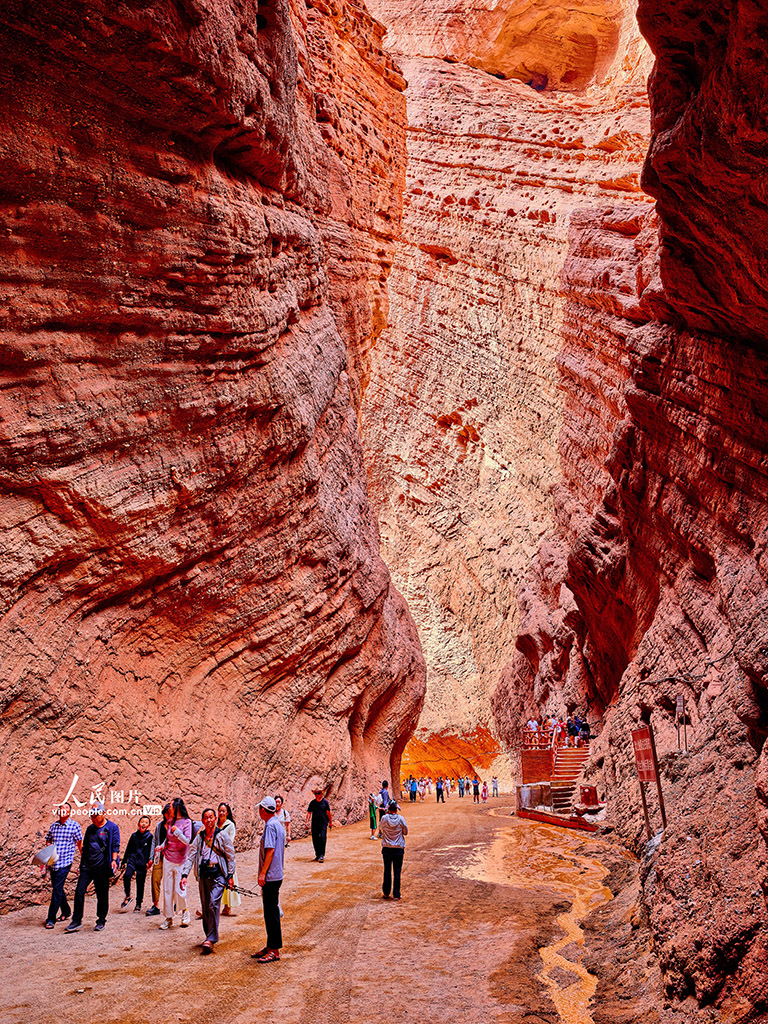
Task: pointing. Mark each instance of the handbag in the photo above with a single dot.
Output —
(47, 857)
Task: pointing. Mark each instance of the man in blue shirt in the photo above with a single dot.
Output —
(98, 863)
(66, 835)
(271, 850)
(383, 798)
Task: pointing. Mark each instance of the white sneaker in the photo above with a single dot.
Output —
(281, 910)
(185, 919)
(371, 837)
(166, 924)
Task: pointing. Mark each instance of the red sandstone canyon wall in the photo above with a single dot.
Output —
(464, 407)
(654, 582)
(199, 208)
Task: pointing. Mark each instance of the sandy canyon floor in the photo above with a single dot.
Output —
(487, 931)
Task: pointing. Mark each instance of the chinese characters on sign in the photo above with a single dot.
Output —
(641, 739)
(648, 771)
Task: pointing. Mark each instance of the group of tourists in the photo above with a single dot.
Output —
(417, 789)
(573, 731)
(176, 848)
(179, 846)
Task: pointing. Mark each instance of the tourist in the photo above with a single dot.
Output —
(98, 863)
(66, 835)
(429, 785)
(422, 789)
(562, 732)
(485, 791)
(284, 818)
(373, 822)
(383, 798)
(137, 860)
(212, 857)
(271, 850)
(413, 789)
(494, 786)
(572, 731)
(440, 797)
(392, 832)
(586, 732)
(320, 820)
(177, 840)
(156, 856)
(475, 790)
(225, 821)
(577, 728)
(461, 787)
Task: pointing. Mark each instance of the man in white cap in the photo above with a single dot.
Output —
(271, 850)
(98, 863)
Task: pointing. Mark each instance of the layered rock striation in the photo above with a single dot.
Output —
(199, 210)
(654, 581)
(464, 407)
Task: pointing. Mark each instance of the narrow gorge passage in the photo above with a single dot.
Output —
(488, 930)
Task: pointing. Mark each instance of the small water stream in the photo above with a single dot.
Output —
(532, 855)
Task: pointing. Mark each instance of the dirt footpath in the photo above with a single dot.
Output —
(487, 931)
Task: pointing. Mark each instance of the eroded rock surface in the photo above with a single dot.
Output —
(546, 45)
(199, 206)
(654, 582)
(464, 407)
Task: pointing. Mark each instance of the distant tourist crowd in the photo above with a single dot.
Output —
(567, 732)
(418, 789)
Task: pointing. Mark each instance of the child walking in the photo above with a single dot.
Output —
(136, 861)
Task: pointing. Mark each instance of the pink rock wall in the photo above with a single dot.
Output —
(196, 242)
(654, 581)
(464, 408)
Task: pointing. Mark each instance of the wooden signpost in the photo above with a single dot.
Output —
(648, 770)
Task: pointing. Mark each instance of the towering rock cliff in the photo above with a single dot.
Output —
(569, 412)
(465, 408)
(199, 209)
(654, 582)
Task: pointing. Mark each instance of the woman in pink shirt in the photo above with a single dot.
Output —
(174, 854)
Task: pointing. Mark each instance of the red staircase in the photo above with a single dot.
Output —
(569, 762)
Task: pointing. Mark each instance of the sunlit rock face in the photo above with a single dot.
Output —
(545, 44)
(200, 203)
(464, 409)
(653, 583)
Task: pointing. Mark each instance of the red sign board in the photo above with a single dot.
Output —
(641, 738)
